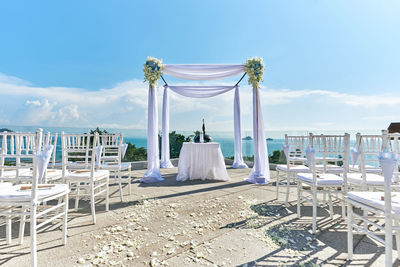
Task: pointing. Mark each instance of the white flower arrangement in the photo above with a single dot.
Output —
(255, 69)
(152, 70)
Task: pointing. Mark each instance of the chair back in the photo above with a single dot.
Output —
(78, 152)
(18, 151)
(331, 149)
(111, 144)
(369, 146)
(297, 145)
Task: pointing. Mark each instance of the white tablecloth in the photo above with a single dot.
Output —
(201, 161)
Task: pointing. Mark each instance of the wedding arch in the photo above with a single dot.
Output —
(153, 70)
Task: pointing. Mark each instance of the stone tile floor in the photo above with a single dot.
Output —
(195, 223)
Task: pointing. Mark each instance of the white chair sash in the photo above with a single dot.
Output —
(310, 155)
(43, 159)
(124, 147)
(388, 162)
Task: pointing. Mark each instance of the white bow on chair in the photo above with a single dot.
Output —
(43, 159)
(388, 162)
(285, 149)
(355, 154)
(310, 154)
(124, 147)
(98, 150)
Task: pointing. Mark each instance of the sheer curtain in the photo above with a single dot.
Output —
(260, 172)
(203, 72)
(153, 173)
(201, 92)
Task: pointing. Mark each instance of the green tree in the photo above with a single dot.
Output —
(135, 154)
(175, 143)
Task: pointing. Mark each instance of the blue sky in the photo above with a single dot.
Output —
(329, 64)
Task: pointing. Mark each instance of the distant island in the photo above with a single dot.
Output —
(269, 139)
(247, 138)
(4, 130)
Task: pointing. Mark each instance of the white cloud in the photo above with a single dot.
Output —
(125, 105)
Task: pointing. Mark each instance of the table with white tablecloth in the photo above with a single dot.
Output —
(201, 161)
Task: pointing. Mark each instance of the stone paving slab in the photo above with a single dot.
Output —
(196, 223)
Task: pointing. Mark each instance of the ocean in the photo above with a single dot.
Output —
(225, 139)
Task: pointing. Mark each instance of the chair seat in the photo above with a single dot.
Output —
(113, 158)
(12, 173)
(371, 179)
(292, 168)
(330, 168)
(302, 159)
(368, 169)
(10, 193)
(326, 179)
(375, 200)
(115, 167)
(84, 175)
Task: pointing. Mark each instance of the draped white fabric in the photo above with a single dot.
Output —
(260, 172)
(165, 157)
(43, 158)
(201, 92)
(203, 72)
(238, 162)
(153, 173)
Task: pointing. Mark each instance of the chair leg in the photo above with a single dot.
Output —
(330, 205)
(277, 185)
(120, 186)
(314, 209)
(130, 180)
(396, 222)
(349, 231)
(92, 204)
(287, 189)
(33, 236)
(77, 197)
(298, 199)
(22, 226)
(388, 240)
(107, 194)
(65, 220)
(9, 229)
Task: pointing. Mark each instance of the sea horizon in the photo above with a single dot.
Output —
(138, 137)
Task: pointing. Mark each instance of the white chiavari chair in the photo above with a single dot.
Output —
(378, 209)
(294, 149)
(366, 175)
(29, 202)
(81, 171)
(111, 158)
(322, 150)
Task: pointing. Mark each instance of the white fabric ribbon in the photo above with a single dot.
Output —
(355, 154)
(200, 91)
(238, 162)
(202, 72)
(43, 159)
(153, 173)
(285, 148)
(388, 161)
(260, 173)
(124, 147)
(310, 155)
(98, 150)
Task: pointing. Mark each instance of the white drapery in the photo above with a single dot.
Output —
(153, 173)
(203, 72)
(260, 172)
(201, 92)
